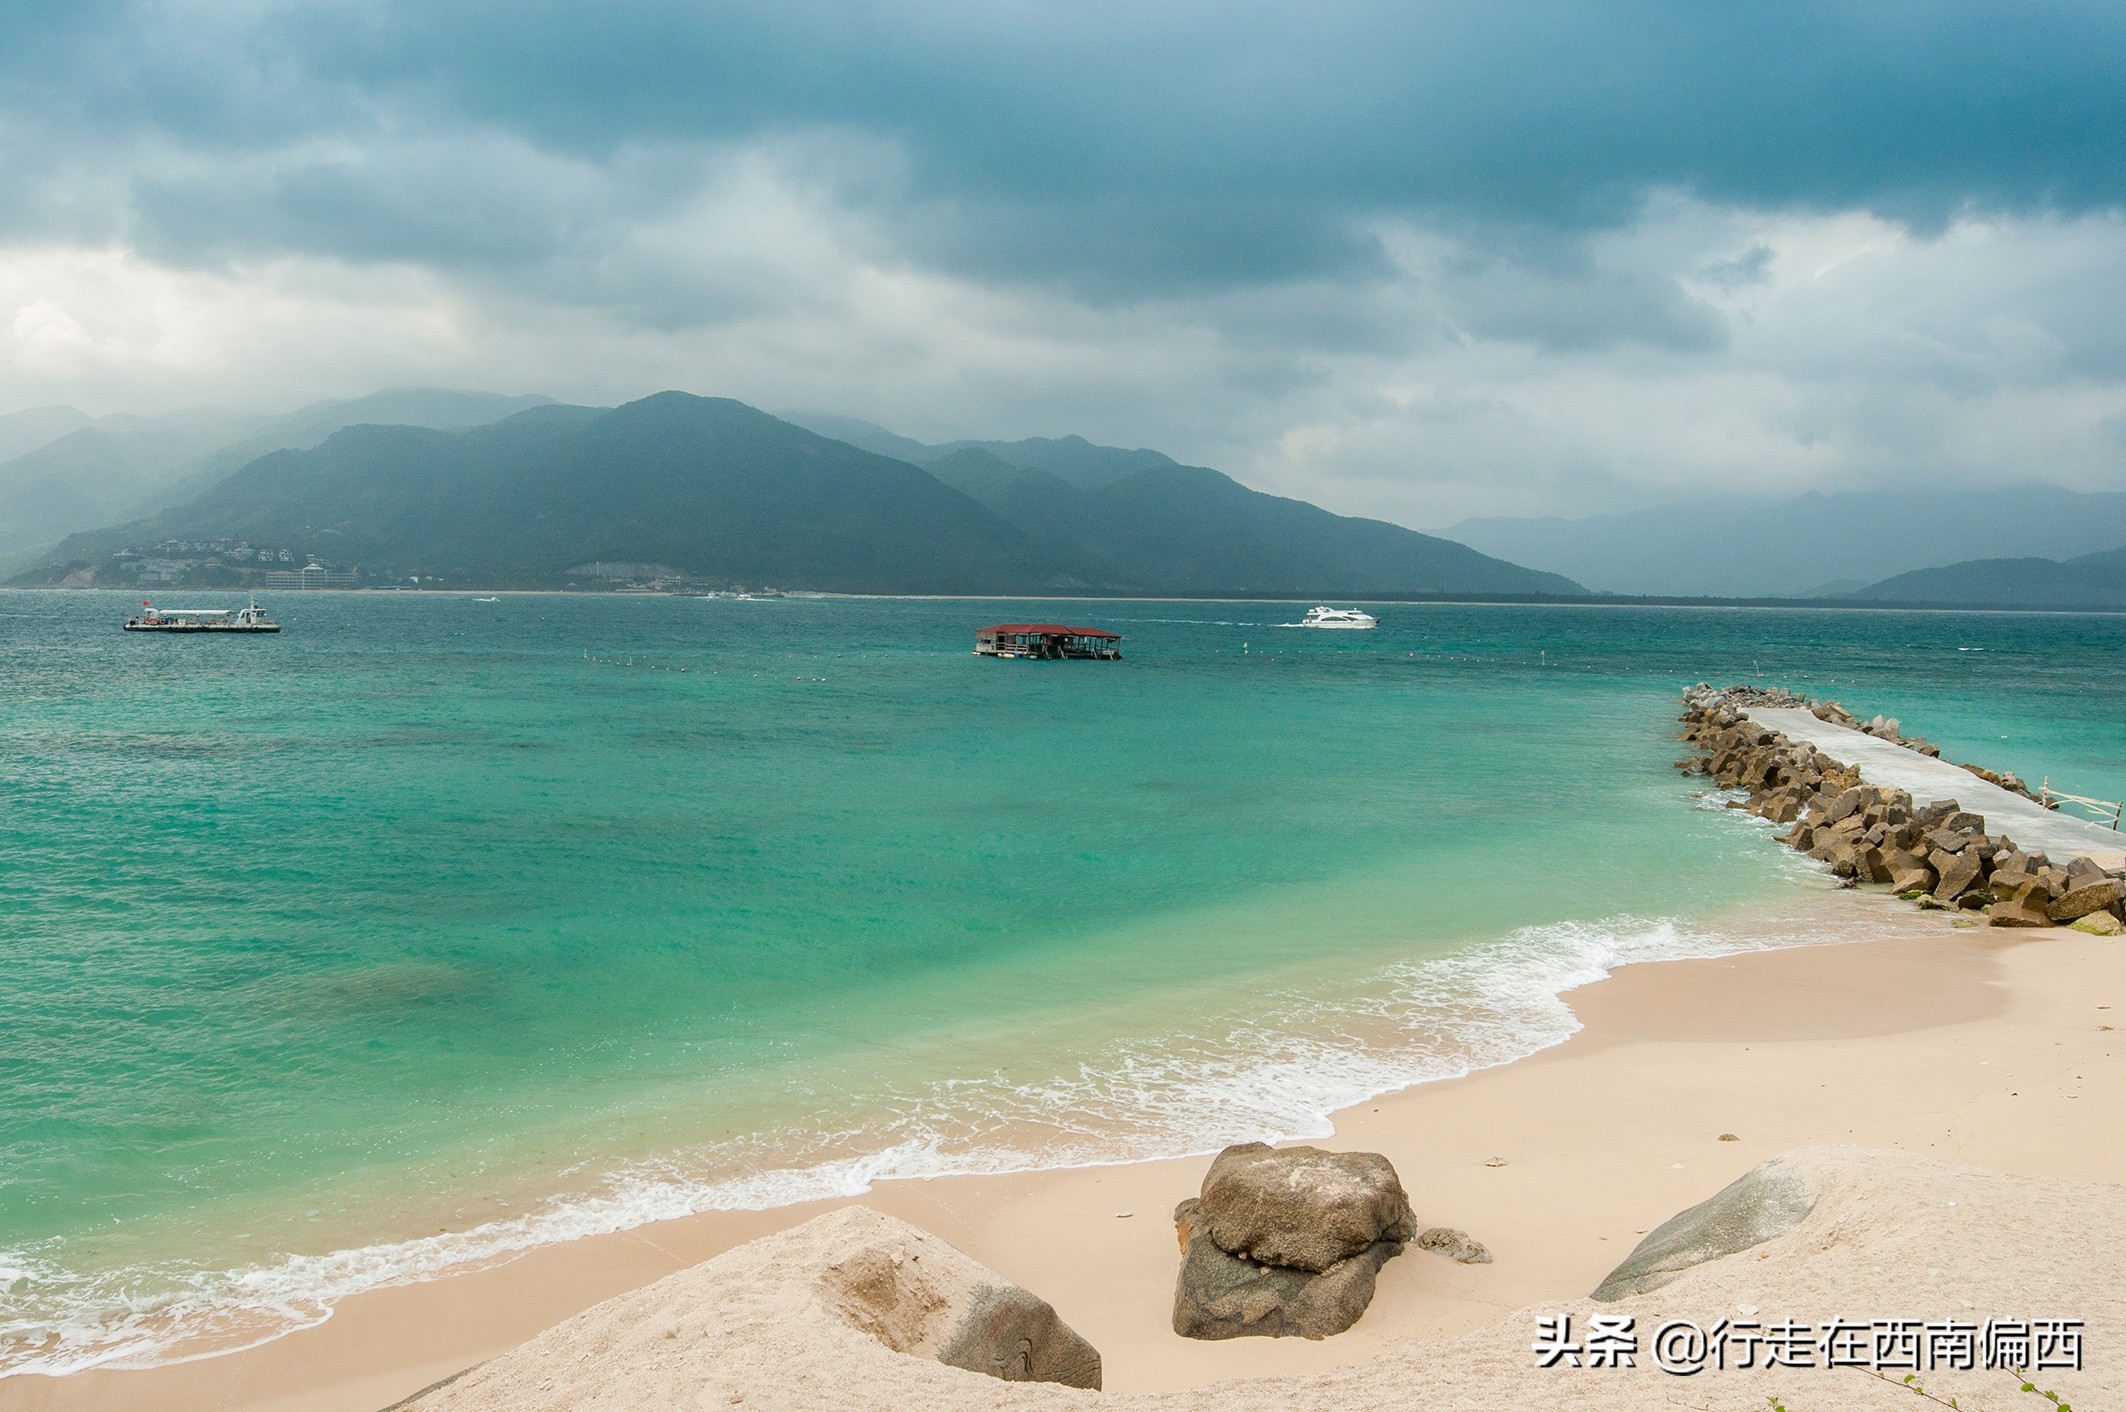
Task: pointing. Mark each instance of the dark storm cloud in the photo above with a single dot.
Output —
(1125, 149)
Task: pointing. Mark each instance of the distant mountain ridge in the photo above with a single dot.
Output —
(723, 491)
(87, 472)
(23, 432)
(2086, 581)
(1175, 528)
(1803, 546)
(1070, 458)
(1152, 521)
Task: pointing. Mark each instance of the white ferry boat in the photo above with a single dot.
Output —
(1338, 618)
(246, 619)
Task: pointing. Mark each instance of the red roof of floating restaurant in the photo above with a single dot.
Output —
(1052, 628)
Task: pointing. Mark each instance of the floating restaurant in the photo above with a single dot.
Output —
(1049, 640)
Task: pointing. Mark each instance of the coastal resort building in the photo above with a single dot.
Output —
(1051, 640)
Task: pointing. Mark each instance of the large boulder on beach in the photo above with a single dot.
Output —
(1285, 1242)
(1223, 1295)
(1302, 1207)
(1757, 1206)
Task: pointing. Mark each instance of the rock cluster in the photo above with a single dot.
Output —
(1286, 1241)
(1881, 727)
(1937, 854)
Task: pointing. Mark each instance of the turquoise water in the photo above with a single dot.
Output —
(430, 929)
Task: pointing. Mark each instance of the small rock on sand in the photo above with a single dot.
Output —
(1454, 1244)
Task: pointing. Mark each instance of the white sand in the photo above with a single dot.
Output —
(1891, 1236)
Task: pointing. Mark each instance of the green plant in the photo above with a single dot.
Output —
(2051, 1397)
(1910, 1383)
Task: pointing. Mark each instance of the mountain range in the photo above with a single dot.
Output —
(486, 489)
(722, 492)
(1807, 546)
(2085, 581)
(62, 471)
(1142, 517)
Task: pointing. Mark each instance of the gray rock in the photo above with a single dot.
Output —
(945, 1306)
(2027, 906)
(1846, 804)
(1222, 1295)
(1454, 1244)
(1956, 871)
(2085, 895)
(1301, 1207)
(1015, 1335)
(1756, 1207)
(1908, 873)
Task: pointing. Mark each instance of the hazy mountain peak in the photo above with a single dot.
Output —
(105, 470)
(24, 431)
(866, 436)
(1070, 457)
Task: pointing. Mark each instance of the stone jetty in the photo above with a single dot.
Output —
(1936, 853)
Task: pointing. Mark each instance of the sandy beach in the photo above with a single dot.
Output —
(1966, 1044)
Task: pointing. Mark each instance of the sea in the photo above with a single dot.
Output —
(433, 929)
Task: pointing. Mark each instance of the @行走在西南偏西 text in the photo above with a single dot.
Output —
(1684, 1347)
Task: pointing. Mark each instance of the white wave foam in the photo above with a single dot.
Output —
(1278, 1077)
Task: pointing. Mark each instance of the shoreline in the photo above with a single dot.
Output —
(1763, 605)
(1580, 1178)
(1379, 1029)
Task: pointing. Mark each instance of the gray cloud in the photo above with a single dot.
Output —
(1130, 147)
(1420, 261)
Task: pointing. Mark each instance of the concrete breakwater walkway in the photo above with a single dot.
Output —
(1889, 814)
(1888, 765)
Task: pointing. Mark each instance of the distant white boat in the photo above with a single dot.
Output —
(1338, 618)
(487, 600)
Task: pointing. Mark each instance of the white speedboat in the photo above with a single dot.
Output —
(1338, 618)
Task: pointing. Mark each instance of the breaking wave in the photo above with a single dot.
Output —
(1278, 1076)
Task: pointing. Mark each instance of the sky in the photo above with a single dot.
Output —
(1413, 260)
